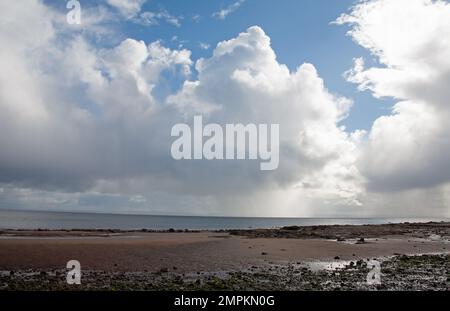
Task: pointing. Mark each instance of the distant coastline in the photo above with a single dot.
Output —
(11, 219)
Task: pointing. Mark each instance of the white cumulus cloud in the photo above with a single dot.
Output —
(90, 121)
(410, 148)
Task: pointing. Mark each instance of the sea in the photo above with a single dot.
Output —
(64, 220)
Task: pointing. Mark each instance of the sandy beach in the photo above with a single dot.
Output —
(209, 260)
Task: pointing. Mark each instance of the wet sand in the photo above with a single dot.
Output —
(191, 252)
(184, 253)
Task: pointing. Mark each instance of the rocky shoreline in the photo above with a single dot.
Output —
(425, 272)
(342, 232)
(413, 256)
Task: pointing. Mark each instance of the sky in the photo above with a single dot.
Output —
(301, 31)
(86, 110)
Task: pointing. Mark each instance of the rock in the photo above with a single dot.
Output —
(264, 253)
(163, 270)
(361, 241)
(291, 228)
(171, 230)
(337, 257)
(341, 239)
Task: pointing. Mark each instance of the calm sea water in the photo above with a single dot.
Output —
(58, 220)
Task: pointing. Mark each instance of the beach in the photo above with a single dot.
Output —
(412, 256)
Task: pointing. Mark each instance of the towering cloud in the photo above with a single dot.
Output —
(411, 147)
(92, 119)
